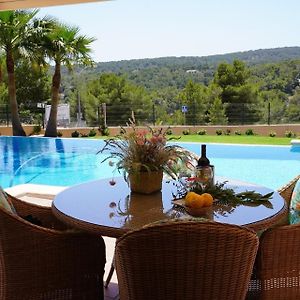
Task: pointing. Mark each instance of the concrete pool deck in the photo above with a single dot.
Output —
(43, 195)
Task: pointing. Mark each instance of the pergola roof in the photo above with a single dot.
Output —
(22, 4)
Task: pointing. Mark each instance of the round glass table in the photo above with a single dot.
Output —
(111, 210)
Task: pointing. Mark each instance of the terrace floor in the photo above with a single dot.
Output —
(43, 195)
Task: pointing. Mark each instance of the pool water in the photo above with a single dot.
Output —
(64, 162)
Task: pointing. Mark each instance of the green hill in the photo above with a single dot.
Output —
(175, 72)
(251, 57)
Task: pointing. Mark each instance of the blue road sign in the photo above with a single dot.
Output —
(184, 108)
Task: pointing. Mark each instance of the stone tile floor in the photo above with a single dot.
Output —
(112, 291)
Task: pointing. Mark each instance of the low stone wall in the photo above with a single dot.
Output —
(7, 130)
(264, 130)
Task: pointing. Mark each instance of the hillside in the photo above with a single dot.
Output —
(261, 87)
(252, 57)
(175, 72)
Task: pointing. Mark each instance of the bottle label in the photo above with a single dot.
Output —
(205, 174)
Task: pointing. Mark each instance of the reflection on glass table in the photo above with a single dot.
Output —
(112, 210)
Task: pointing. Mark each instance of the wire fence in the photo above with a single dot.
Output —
(119, 114)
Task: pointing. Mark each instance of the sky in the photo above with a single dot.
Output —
(133, 29)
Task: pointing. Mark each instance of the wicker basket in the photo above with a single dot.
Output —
(145, 182)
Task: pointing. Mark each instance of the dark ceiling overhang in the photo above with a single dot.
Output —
(24, 4)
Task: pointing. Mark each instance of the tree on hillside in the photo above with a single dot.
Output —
(278, 104)
(282, 76)
(64, 46)
(167, 106)
(120, 97)
(16, 30)
(195, 97)
(217, 109)
(33, 86)
(217, 115)
(293, 109)
(240, 97)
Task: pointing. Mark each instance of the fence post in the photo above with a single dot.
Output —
(153, 115)
(104, 114)
(269, 113)
(98, 115)
(194, 113)
(7, 116)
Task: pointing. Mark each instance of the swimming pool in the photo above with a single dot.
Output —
(64, 162)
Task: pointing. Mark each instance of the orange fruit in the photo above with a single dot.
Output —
(189, 195)
(207, 199)
(197, 201)
(189, 198)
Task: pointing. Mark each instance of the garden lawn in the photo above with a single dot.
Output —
(236, 139)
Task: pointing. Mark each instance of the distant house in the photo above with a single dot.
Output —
(192, 71)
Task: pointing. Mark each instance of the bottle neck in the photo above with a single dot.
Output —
(203, 160)
(203, 151)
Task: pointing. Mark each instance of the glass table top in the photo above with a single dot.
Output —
(100, 204)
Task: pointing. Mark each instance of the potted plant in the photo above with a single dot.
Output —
(144, 155)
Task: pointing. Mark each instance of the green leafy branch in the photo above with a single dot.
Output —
(223, 194)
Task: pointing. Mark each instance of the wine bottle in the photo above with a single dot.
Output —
(203, 161)
(204, 170)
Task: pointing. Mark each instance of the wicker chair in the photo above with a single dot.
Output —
(185, 260)
(287, 190)
(277, 267)
(39, 263)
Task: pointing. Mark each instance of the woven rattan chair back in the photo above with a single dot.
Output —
(277, 267)
(278, 264)
(185, 260)
(287, 190)
(38, 263)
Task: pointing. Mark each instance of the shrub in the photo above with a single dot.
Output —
(104, 130)
(227, 132)
(237, 132)
(92, 132)
(84, 134)
(290, 134)
(169, 131)
(186, 132)
(272, 134)
(36, 129)
(75, 134)
(59, 133)
(219, 131)
(201, 132)
(249, 131)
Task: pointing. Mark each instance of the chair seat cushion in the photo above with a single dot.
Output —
(294, 214)
(5, 203)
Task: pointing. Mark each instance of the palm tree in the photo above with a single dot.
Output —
(15, 32)
(65, 46)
